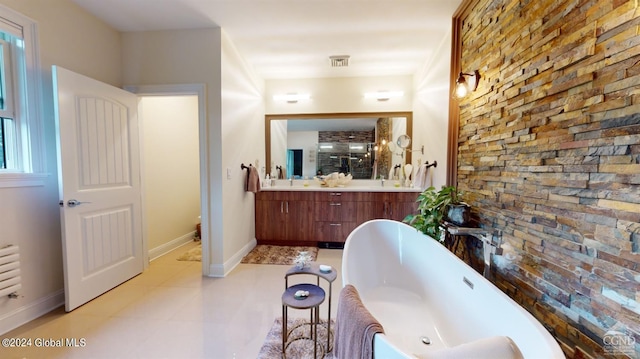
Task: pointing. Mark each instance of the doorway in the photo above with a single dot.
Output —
(170, 170)
(294, 164)
(197, 90)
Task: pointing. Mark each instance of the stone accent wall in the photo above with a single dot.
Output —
(549, 151)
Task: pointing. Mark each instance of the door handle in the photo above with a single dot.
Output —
(72, 203)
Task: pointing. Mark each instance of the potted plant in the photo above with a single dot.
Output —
(458, 212)
(434, 206)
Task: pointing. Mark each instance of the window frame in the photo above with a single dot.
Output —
(29, 168)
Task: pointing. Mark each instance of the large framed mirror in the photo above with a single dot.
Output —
(362, 144)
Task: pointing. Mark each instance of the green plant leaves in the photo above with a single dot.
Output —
(432, 207)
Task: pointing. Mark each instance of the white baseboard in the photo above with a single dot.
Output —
(171, 245)
(221, 270)
(31, 311)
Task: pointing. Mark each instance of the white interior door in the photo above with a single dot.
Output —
(100, 187)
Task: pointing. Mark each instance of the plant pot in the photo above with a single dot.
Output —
(459, 214)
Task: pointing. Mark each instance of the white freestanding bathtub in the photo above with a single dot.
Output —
(421, 292)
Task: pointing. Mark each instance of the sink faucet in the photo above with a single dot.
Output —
(382, 180)
(291, 181)
(491, 242)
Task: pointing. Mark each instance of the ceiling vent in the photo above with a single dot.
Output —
(339, 61)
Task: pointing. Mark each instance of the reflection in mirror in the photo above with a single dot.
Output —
(356, 141)
(294, 163)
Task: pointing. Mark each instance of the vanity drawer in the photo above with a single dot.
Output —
(334, 211)
(333, 231)
(336, 196)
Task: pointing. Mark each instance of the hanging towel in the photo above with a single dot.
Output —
(253, 180)
(355, 327)
(421, 179)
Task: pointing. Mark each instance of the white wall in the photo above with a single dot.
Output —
(171, 170)
(431, 112)
(339, 94)
(187, 57)
(30, 216)
(242, 142)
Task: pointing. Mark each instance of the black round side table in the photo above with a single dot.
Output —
(312, 301)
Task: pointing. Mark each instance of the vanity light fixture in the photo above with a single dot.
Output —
(383, 95)
(463, 87)
(291, 97)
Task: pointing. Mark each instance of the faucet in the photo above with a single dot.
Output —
(291, 181)
(382, 180)
(491, 242)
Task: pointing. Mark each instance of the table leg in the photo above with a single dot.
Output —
(284, 330)
(315, 330)
(329, 319)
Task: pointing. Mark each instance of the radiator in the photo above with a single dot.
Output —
(10, 280)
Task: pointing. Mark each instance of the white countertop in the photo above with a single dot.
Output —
(353, 186)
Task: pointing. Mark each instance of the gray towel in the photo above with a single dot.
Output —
(355, 327)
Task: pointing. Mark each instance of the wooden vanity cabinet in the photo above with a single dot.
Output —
(284, 217)
(309, 217)
(387, 205)
(334, 215)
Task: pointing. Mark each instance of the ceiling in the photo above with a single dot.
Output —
(283, 39)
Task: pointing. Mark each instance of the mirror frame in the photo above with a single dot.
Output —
(314, 116)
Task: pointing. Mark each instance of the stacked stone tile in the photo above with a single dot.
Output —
(549, 151)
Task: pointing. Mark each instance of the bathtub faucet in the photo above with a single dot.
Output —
(491, 237)
(491, 242)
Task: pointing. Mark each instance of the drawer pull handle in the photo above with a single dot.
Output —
(335, 224)
(335, 204)
(336, 193)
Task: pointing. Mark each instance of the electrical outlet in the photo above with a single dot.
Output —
(228, 173)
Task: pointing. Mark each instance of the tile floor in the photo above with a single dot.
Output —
(172, 311)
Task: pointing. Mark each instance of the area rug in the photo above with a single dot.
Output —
(267, 254)
(193, 254)
(299, 345)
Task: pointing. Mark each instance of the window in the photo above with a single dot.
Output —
(7, 115)
(21, 144)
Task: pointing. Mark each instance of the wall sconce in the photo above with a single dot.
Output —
(383, 95)
(291, 97)
(463, 87)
